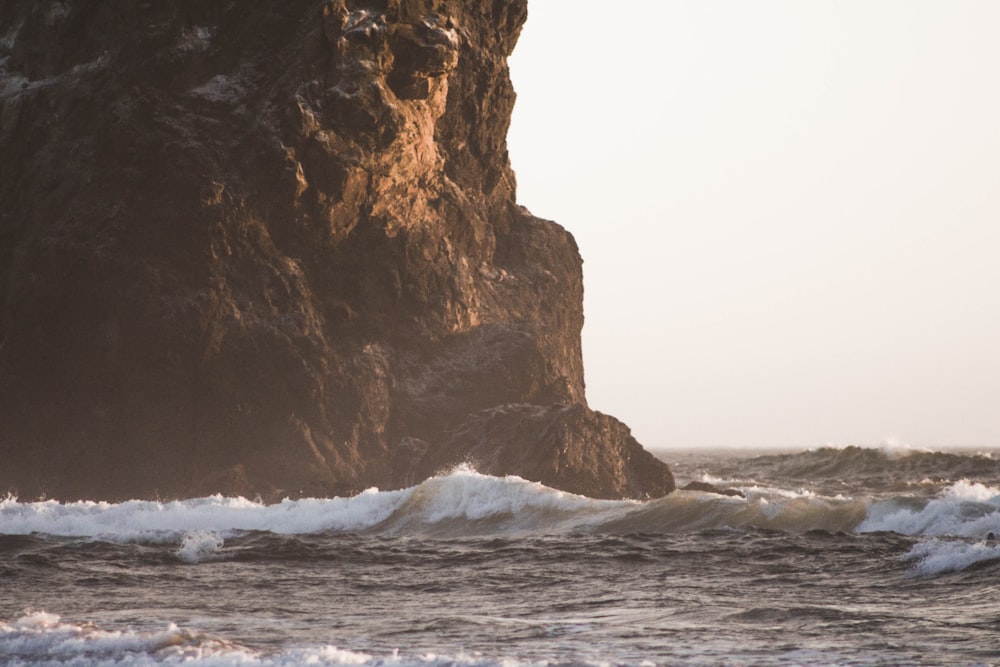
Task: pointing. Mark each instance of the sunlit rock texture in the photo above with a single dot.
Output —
(272, 248)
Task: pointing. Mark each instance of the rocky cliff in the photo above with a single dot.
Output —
(273, 248)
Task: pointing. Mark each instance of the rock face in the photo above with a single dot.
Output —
(273, 248)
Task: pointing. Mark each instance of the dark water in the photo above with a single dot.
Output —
(837, 556)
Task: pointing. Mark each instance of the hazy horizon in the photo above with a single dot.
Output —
(789, 213)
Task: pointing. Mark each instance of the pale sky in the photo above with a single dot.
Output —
(788, 210)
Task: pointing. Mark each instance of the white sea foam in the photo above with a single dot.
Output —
(771, 493)
(467, 495)
(891, 447)
(940, 556)
(963, 490)
(461, 497)
(41, 639)
(756, 491)
(894, 449)
(464, 502)
(152, 521)
(199, 546)
(963, 509)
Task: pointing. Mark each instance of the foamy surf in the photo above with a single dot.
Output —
(466, 503)
(40, 639)
(43, 639)
(462, 502)
(955, 525)
(962, 509)
(199, 546)
(817, 564)
(936, 556)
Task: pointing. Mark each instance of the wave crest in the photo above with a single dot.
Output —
(464, 502)
(963, 509)
(41, 638)
(936, 556)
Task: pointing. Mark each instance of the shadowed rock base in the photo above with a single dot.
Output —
(273, 249)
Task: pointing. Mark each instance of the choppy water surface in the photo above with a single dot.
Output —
(845, 556)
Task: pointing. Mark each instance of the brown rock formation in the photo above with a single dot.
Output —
(705, 487)
(273, 248)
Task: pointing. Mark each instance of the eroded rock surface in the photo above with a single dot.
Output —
(273, 248)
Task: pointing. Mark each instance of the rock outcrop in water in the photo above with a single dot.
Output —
(273, 248)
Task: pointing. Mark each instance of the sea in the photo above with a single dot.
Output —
(852, 555)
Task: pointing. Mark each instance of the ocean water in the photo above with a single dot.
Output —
(836, 556)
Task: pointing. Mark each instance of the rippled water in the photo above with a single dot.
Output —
(837, 556)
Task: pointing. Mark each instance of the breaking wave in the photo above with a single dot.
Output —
(464, 502)
(950, 519)
(45, 639)
(957, 523)
(934, 557)
(460, 503)
(962, 509)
